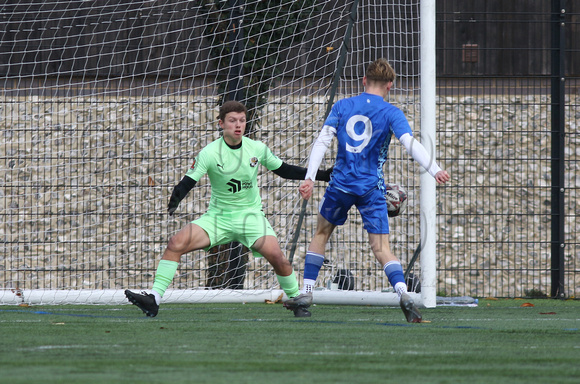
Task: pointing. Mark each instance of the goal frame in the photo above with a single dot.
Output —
(426, 298)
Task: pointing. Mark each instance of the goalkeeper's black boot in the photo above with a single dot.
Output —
(145, 302)
(299, 304)
(409, 309)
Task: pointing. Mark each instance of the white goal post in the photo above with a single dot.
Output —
(105, 104)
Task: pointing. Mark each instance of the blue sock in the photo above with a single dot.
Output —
(394, 272)
(312, 264)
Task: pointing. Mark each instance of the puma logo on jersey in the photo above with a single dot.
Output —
(220, 166)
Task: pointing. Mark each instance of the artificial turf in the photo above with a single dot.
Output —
(499, 341)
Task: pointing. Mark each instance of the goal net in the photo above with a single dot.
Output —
(105, 104)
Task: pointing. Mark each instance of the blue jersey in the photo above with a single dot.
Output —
(364, 127)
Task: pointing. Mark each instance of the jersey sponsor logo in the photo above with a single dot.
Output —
(253, 161)
(237, 185)
(234, 185)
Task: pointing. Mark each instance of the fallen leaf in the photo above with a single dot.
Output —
(527, 305)
(278, 300)
(547, 313)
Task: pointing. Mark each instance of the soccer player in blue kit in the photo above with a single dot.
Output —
(363, 126)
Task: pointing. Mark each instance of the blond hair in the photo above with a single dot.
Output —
(380, 70)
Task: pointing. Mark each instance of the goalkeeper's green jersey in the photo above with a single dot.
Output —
(233, 173)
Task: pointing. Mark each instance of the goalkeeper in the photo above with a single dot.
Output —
(235, 207)
(363, 126)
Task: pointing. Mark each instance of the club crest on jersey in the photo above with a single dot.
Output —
(253, 161)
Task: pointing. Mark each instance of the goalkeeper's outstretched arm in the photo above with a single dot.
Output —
(294, 172)
(179, 192)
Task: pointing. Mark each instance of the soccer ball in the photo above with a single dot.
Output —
(396, 199)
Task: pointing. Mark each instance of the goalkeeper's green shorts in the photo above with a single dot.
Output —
(245, 227)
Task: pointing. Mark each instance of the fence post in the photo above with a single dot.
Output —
(558, 132)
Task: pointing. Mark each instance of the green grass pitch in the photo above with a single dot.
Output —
(499, 341)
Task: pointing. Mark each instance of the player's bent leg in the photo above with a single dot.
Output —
(381, 247)
(268, 247)
(312, 264)
(321, 236)
(314, 258)
(189, 238)
(391, 265)
(394, 271)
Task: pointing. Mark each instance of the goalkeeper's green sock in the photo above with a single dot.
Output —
(289, 284)
(163, 277)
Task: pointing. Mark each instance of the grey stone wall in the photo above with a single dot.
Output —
(85, 183)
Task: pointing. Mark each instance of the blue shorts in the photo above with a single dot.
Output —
(372, 206)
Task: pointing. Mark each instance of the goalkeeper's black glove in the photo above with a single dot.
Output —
(179, 192)
(174, 201)
(294, 172)
(324, 175)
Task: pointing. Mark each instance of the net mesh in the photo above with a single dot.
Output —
(105, 103)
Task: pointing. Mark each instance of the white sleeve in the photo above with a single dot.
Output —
(318, 150)
(419, 153)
